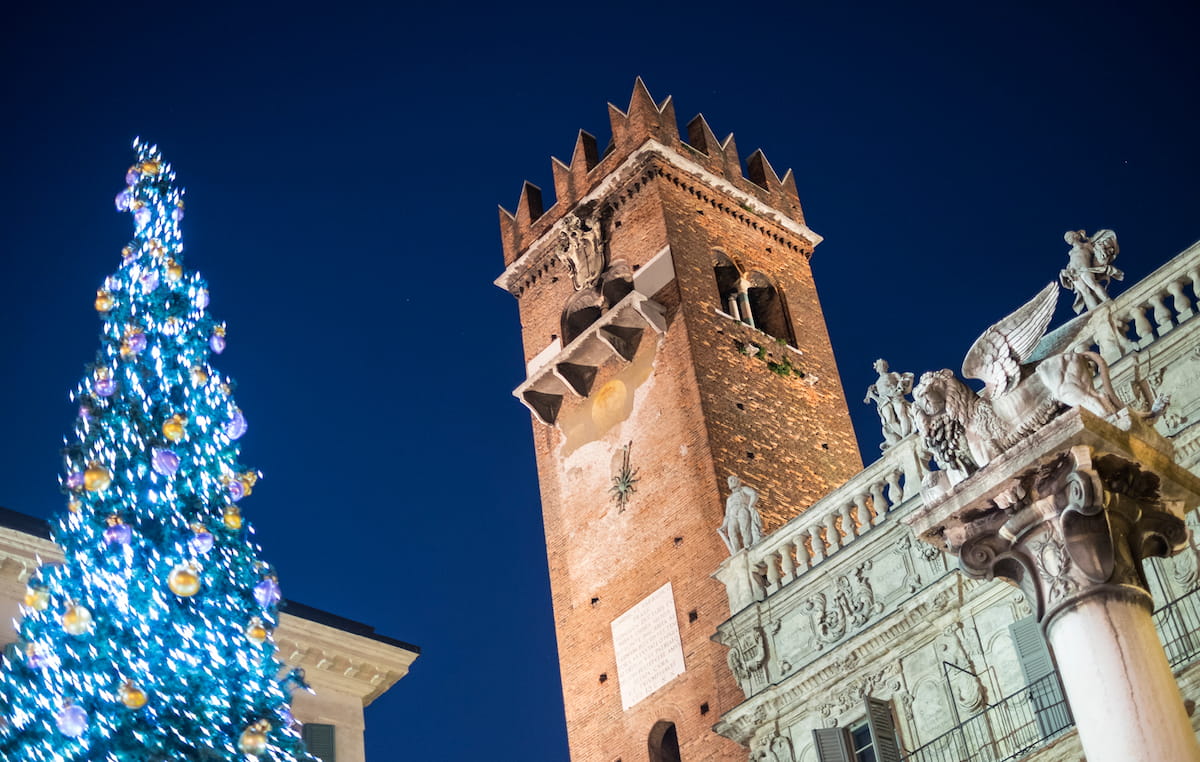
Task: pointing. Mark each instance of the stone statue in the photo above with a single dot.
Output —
(1089, 267)
(1023, 390)
(742, 527)
(888, 395)
(583, 249)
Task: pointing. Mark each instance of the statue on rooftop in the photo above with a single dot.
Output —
(1089, 267)
(1026, 385)
(888, 393)
(742, 527)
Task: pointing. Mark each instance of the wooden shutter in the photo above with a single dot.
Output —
(320, 741)
(833, 745)
(1049, 705)
(883, 730)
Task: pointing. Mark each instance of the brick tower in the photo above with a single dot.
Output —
(673, 338)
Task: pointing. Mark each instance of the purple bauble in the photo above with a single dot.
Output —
(104, 387)
(217, 343)
(165, 462)
(235, 427)
(142, 216)
(72, 721)
(35, 658)
(123, 199)
(85, 413)
(118, 534)
(202, 299)
(267, 592)
(177, 213)
(149, 280)
(131, 177)
(75, 480)
(136, 342)
(236, 489)
(201, 542)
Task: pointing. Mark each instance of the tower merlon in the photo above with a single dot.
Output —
(645, 123)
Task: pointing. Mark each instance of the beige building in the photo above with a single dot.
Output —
(347, 663)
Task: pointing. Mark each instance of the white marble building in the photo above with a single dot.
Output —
(853, 639)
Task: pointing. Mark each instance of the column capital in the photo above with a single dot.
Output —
(1068, 513)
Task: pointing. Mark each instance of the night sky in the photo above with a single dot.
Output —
(343, 166)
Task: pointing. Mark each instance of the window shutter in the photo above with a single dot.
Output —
(1032, 650)
(833, 745)
(883, 730)
(319, 740)
(1049, 704)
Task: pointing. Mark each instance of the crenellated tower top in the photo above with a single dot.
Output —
(645, 127)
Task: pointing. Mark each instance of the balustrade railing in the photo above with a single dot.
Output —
(1148, 311)
(836, 520)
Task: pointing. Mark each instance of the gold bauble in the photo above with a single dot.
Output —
(104, 301)
(233, 517)
(184, 580)
(132, 696)
(96, 478)
(77, 620)
(157, 250)
(174, 271)
(149, 167)
(256, 631)
(199, 376)
(37, 598)
(254, 738)
(172, 429)
(74, 506)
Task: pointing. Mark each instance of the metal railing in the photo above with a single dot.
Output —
(1006, 730)
(1178, 624)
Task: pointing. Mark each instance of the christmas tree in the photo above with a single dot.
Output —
(153, 640)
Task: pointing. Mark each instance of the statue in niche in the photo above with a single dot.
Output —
(742, 527)
(1089, 267)
(888, 393)
(1026, 385)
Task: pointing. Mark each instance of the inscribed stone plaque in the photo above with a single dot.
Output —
(646, 642)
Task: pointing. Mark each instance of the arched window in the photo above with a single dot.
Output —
(728, 279)
(664, 742)
(767, 308)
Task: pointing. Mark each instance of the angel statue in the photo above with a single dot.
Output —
(1089, 267)
(1027, 382)
(888, 395)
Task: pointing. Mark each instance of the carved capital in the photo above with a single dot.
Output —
(1077, 523)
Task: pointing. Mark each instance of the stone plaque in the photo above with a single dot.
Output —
(646, 642)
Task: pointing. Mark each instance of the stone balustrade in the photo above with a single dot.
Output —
(1147, 311)
(828, 526)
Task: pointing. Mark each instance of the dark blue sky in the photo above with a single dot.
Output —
(343, 165)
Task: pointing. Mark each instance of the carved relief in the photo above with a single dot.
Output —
(748, 656)
(775, 748)
(1054, 563)
(904, 549)
(851, 604)
(965, 684)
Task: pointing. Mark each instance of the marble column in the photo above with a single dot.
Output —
(1068, 516)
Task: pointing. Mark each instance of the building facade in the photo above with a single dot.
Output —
(347, 664)
(691, 432)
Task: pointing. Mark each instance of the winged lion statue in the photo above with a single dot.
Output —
(1028, 380)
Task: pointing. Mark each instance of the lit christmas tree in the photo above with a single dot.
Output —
(153, 641)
